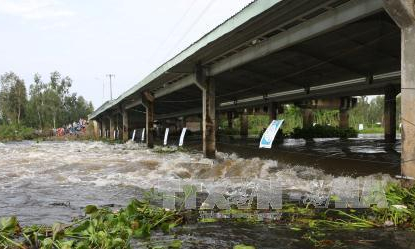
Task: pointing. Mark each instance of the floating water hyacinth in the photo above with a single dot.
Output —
(400, 206)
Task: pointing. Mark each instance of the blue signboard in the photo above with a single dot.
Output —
(269, 134)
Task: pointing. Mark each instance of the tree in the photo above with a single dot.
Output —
(18, 99)
(13, 97)
(36, 103)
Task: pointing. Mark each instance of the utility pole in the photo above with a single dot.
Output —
(110, 76)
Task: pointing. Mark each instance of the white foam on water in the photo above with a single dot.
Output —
(131, 164)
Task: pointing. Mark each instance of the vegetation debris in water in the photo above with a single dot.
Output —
(106, 228)
(101, 228)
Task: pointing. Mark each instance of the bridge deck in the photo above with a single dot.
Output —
(276, 51)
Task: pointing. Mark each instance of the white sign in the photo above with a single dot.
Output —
(360, 127)
(115, 135)
(166, 134)
(182, 137)
(269, 134)
(133, 137)
(142, 134)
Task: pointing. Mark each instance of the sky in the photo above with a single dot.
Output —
(88, 39)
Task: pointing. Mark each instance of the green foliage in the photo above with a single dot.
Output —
(401, 208)
(292, 118)
(16, 132)
(320, 131)
(102, 228)
(13, 98)
(228, 131)
(369, 113)
(50, 104)
(243, 247)
(105, 228)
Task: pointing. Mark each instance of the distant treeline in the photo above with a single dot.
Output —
(367, 112)
(47, 104)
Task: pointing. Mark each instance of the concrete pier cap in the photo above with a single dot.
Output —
(403, 13)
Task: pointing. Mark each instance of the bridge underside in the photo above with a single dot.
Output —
(366, 51)
(292, 52)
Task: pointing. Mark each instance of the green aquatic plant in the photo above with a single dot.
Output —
(100, 228)
(400, 212)
(243, 247)
(106, 228)
(401, 209)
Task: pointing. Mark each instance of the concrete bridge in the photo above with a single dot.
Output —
(273, 52)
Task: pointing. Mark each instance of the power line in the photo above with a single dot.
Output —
(173, 29)
(190, 27)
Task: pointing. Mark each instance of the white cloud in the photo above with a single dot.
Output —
(35, 9)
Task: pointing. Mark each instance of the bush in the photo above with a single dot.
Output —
(228, 131)
(16, 132)
(320, 131)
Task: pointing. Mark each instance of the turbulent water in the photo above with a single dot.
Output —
(53, 181)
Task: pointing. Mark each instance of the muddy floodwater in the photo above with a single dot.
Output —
(46, 182)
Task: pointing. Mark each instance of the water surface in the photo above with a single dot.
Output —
(45, 182)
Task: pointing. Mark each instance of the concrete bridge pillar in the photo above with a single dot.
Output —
(244, 124)
(229, 115)
(112, 127)
(200, 123)
(344, 112)
(308, 117)
(209, 119)
(272, 111)
(125, 125)
(97, 127)
(389, 114)
(344, 118)
(403, 13)
(207, 85)
(104, 128)
(181, 122)
(148, 102)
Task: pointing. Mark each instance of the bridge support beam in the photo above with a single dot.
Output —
(125, 125)
(308, 117)
(403, 13)
(389, 114)
(148, 102)
(243, 118)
